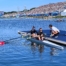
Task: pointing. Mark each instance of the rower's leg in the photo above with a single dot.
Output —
(54, 34)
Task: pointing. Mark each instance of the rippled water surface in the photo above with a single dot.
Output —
(19, 52)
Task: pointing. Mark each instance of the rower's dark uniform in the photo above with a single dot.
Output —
(39, 33)
(33, 31)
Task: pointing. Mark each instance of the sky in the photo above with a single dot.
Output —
(15, 5)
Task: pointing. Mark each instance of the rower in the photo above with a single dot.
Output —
(54, 31)
(33, 30)
(40, 32)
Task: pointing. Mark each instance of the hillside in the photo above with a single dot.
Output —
(48, 8)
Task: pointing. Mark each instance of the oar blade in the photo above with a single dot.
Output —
(2, 42)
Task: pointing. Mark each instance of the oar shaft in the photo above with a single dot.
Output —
(6, 41)
(12, 39)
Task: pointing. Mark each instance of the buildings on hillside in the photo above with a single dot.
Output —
(52, 9)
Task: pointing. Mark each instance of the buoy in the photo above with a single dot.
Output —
(2, 42)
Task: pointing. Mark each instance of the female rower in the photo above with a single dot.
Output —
(40, 31)
(33, 30)
(41, 34)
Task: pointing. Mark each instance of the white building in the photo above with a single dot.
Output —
(63, 13)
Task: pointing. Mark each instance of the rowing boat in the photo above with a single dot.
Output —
(60, 40)
(45, 42)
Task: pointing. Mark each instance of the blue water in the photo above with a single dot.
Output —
(19, 52)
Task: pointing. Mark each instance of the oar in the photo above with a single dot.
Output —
(4, 42)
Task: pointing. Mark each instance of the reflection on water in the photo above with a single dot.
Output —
(37, 48)
(33, 48)
(53, 51)
(41, 48)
